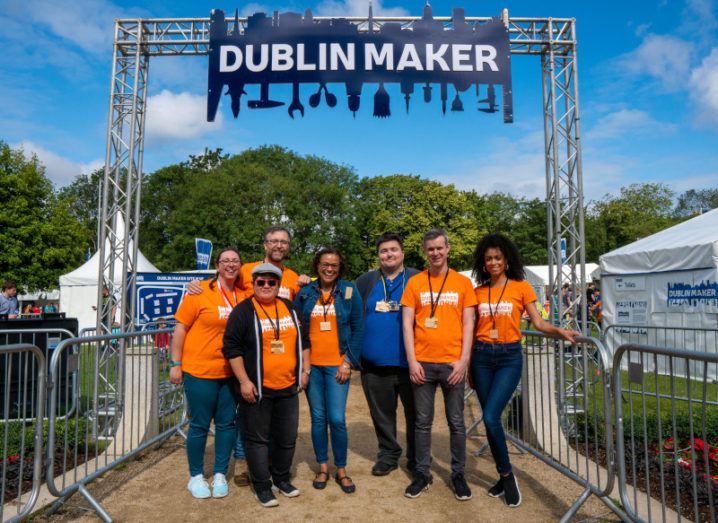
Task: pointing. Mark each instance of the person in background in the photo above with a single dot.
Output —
(503, 295)
(384, 369)
(263, 345)
(198, 361)
(438, 325)
(331, 311)
(8, 300)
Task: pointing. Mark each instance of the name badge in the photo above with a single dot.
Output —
(325, 326)
(494, 334)
(382, 306)
(431, 323)
(276, 347)
(394, 306)
(348, 293)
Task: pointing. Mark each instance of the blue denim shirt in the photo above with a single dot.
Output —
(350, 316)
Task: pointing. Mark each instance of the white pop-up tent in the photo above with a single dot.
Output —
(537, 276)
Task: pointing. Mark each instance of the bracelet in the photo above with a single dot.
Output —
(306, 371)
(174, 363)
(346, 367)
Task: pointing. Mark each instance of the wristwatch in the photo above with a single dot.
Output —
(346, 367)
(174, 363)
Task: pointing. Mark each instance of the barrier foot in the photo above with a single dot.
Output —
(576, 505)
(620, 513)
(56, 505)
(94, 504)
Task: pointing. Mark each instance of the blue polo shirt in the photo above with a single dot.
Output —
(383, 340)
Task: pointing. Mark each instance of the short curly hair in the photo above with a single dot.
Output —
(508, 248)
(329, 250)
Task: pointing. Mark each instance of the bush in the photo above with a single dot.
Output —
(22, 435)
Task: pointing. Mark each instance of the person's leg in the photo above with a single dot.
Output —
(318, 411)
(424, 404)
(255, 419)
(225, 431)
(403, 386)
(239, 443)
(380, 394)
(202, 401)
(454, 409)
(335, 399)
(284, 424)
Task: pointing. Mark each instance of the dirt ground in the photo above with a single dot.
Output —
(153, 488)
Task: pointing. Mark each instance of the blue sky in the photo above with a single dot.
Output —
(648, 75)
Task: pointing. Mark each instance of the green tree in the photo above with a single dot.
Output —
(40, 237)
(694, 202)
(410, 206)
(82, 200)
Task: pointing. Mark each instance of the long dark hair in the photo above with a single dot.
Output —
(329, 250)
(515, 267)
(237, 280)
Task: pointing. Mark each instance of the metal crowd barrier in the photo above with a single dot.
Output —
(667, 432)
(21, 435)
(125, 405)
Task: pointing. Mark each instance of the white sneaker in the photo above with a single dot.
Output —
(198, 487)
(219, 486)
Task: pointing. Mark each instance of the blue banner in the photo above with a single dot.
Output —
(291, 48)
(158, 294)
(204, 253)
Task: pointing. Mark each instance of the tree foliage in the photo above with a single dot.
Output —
(693, 202)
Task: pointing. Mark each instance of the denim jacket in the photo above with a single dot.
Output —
(350, 317)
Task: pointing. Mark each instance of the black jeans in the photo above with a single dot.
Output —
(437, 374)
(383, 386)
(276, 414)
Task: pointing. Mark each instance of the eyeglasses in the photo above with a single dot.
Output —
(266, 283)
(277, 242)
(328, 265)
(230, 262)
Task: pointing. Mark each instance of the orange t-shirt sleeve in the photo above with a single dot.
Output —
(529, 294)
(469, 294)
(189, 308)
(408, 298)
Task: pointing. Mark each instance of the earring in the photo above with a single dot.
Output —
(507, 267)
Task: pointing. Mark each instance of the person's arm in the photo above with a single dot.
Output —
(416, 371)
(467, 339)
(542, 325)
(177, 345)
(356, 323)
(306, 369)
(247, 388)
(194, 288)
(303, 280)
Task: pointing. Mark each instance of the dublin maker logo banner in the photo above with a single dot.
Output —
(293, 49)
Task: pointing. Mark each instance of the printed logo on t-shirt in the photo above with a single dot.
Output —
(504, 308)
(318, 310)
(285, 323)
(223, 312)
(446, 298)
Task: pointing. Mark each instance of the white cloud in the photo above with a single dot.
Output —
(59, 170)
(704, 89)
(665, 58)
(178, 116)
(357, 8)
(626, 123)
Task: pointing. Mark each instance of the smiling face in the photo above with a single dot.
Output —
(276, 246)
(328, 268)
(228, 265)
(495, 262)
(391, 256)
(265, 287)
(437, 252)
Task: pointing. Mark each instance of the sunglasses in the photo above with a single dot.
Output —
(266, 283)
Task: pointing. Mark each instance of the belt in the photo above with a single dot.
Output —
(510, 345)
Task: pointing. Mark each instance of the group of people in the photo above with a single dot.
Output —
(254, 336)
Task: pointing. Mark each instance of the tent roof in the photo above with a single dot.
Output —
(87, 273)
(538, 274)
(692, 244)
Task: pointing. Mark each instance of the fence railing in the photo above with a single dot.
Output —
(665, 427)
(21, 431)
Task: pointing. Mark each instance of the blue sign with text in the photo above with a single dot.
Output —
(158, 294)
(203, 249)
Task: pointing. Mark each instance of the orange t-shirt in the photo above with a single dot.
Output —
(288, 288)
(443, 343)
(325, 344)
(205, 316)
(507, 313)
(279, 368)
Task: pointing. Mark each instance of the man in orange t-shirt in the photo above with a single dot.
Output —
(438, 322)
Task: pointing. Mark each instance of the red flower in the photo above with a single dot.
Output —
(668, 444)
(12, 458)
(698, 444)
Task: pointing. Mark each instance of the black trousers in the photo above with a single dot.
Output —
(383, 386)
(275, 417)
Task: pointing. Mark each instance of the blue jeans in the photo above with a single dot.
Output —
(210, 399)
(239, 443)
(327, 405)
(496, 371)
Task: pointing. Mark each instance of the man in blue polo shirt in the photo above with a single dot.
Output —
(385, 374)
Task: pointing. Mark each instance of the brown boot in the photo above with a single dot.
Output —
(241, 473)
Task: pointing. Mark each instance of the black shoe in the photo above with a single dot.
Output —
(497, 490)
(266, 498)
(347, 489)
(419, 485)
(382, 469)
(511, 490)
(286, 488)
(461, 488)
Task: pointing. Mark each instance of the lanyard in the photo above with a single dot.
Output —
(275, 328)
(383, 280)
(491, 313)
(431, 292)
(328, 301)
(225, 297)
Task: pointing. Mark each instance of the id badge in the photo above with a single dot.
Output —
(348, 293)
(276, 347)
(382, 306)
(325, 326)
(394, 306)
(494, 334)
(431, 323)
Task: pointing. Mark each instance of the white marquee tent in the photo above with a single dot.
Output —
(537, 276)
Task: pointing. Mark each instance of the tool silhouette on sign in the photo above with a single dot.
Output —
(289, 48)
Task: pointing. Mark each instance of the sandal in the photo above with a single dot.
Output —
(317, 483)
(347, 489)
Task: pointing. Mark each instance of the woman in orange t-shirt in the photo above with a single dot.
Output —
(503, 295)
(197, 360)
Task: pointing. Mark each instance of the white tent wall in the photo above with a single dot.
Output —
(537, 276)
